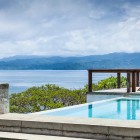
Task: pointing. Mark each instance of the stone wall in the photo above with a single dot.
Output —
(4, 98)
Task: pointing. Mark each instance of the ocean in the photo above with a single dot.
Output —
(20, 80)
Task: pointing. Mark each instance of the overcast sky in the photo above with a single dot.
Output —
(69, 27)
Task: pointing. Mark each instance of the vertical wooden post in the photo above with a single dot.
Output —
(118, 80)
(137, 76)
(89, 81)
(133, 82)
(128, 82)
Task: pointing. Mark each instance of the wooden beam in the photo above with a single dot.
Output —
(114, 70)
(118, 80)
(133, 82)
(137, 80)
(128, 82)
(89, 81)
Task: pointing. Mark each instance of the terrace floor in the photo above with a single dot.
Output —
(21, 136)
(117, 91)
(36, 127)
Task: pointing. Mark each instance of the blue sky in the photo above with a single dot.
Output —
(69, 27)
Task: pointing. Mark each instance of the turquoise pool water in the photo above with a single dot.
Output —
(123, 109)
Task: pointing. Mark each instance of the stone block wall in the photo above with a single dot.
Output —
(4, 98)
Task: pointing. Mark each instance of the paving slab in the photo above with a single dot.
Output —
(116, 91)
(76, 127)
(21, 136)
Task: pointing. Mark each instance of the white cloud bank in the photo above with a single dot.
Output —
(68, 27)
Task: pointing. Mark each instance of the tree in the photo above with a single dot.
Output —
(51, 96)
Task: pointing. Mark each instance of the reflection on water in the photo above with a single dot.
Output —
(132, 108)
(137, 104)
(118, 106)
(128, 109)
(90, 111)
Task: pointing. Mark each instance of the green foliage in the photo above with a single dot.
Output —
(51, 96)
(110, 83)
(45, 97)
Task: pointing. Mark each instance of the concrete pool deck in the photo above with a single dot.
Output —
(70, 126)
(117, 91)
(21, 136)
(109, 94)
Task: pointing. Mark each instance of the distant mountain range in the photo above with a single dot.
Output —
(113, 60)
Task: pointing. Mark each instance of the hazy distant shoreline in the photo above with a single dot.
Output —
(113, 60)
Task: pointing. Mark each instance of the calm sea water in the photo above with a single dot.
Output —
(20, 80)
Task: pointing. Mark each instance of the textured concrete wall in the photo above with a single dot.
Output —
(4, 98)
(94, 97)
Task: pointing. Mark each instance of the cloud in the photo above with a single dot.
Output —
(68, 28)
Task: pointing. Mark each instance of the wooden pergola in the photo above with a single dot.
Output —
(132, 77)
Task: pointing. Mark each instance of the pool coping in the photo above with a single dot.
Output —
(21, 136)
(70, 126)
(91, 128)
(79, 105)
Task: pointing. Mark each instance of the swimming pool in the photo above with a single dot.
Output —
(118, 108)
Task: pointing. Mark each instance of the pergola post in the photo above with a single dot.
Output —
(89, 81)
(128, 82)
(133, 82)
(118, 80)
(137, 79)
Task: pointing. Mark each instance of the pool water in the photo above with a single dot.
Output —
(123, 109)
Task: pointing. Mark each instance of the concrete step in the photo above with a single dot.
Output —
(22, 136)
